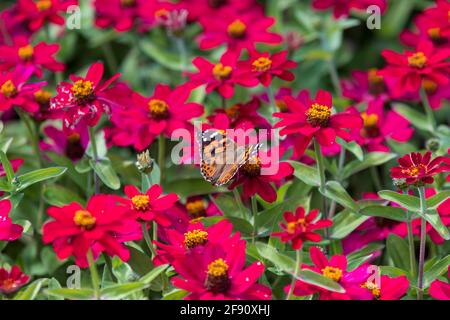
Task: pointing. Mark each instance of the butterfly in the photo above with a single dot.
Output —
(221, 157)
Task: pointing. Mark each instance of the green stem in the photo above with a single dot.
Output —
(32, 133)
(255, 218)
(338, 178)
(272, 100)
(94, 150)
(181, 48)
(94, 274)
(423, 238)
(412, 252)
(321, 169)
(237, 198)
(428, 111)
(147, 239)
(161, 155)
(335, 78)
(376, 178)
(298, 262)
(110, 58)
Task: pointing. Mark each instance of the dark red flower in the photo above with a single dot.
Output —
(13, 280)
(388, 289)
(119, 14)
(299, 227)
(419, 170)
(71, 145)
(207, 8)
(439, 289)
(341, 8)
(8, 230)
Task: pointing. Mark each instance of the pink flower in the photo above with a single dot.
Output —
(103, 226)
(85, 99)
(151, 205)
(8, 230)
(237, 31)
(13, 280)
(119, 14)
(265, 66)
(380, 126)
(365, 86)
(390, 288)
(207, 8)
(256, 176)
(410, 69)
(72, 145)
(336, 270)
(300, 227)
(341, 8)
(439, 289)
(222, 76)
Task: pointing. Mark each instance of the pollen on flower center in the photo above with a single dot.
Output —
(196, 209)
(374, 77)
(42, 97)
(195, 238)
(127, 3)
(82, 89)
(318, 115)
(26, 53)
(281, 105)
(292, 226)
(74, 137)
(84, 219)
(217, 276)
(237, 29)
(221, 72)
(370, 128)
(8, 89)
(252, 168)
(43, 5)
(140, 202)
(429, 85)
(373, 288)
(434, 33)
(262, 64)
(333, 273)
(232, 111)
(158, 109)
(417, 60)
(161, 13)
(414, 171)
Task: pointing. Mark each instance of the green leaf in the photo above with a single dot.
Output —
(358, 257)
(57, 195)
(278, 259)
(192, 187)
(106, 173)
(435, 271)
(388, 212)
(335, 191)
(353, 147)
(397, 249)
(176, 295)
(371, 159)
(149, 277)
(54, 284)
(100, 142)
(75, 175)
(319, 280)
(165, 58)
(227, 205)
(393, 271)
(71, 294)
(433, 218)
(418, 119)
(121, 291)
(307, 174)
(346, 222)
(7, 167)
(408, 202)
(31, 291)
(24, 181)
(434, 201)
(239, 224)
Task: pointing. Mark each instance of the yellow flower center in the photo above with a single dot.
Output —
(217, 276)
(73, 137)
(8, 284)
(26, 53)
(233, 111)
(429, 86)
(374, 77)
(262, 64)
(372, 287)
(417, 60)
(127, 3)
(370, 120)
(43, 5)
(281, 105)
(42, 97)
(8, 89)
(161, 13)
(332, 273)
(414, 170)
(318, 115)
(140, 202)
(252, 168)
(82, 89)
(195, 238)
(84, 219)
(221, 72)
(237, 29)
(434, 33)
(158, 109)
(218, 268)
(196, 209)
(292, 226)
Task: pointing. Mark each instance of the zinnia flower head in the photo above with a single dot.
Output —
(299, 227)
(439, 289)
(70, 144)
(12, 280)
(365, 86)
(102, 226)
(388, 288)
(341, 8)
(8, 230)
(119, 14)
(419, 169)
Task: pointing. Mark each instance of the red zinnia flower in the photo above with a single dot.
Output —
(255, 181)
(313, 118)
(8, 230)
(221, 76)
(84, 99)
(300, 227)
(341, 8)
(119, 14)
(418, 169)
(336, 270)
(23, 52)
(207, 8)
(101, 227)
(439, 289)
(14, 91)
(71, 145)
(410, 69)
(36, 12)
(365, 86)
(150, 206)
(265, 66)
(390, 288)
(237, 30)
(379, 126)
(13, 280)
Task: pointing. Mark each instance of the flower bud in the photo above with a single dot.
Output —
(400, 183)
(433, 144)
(144, 163)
